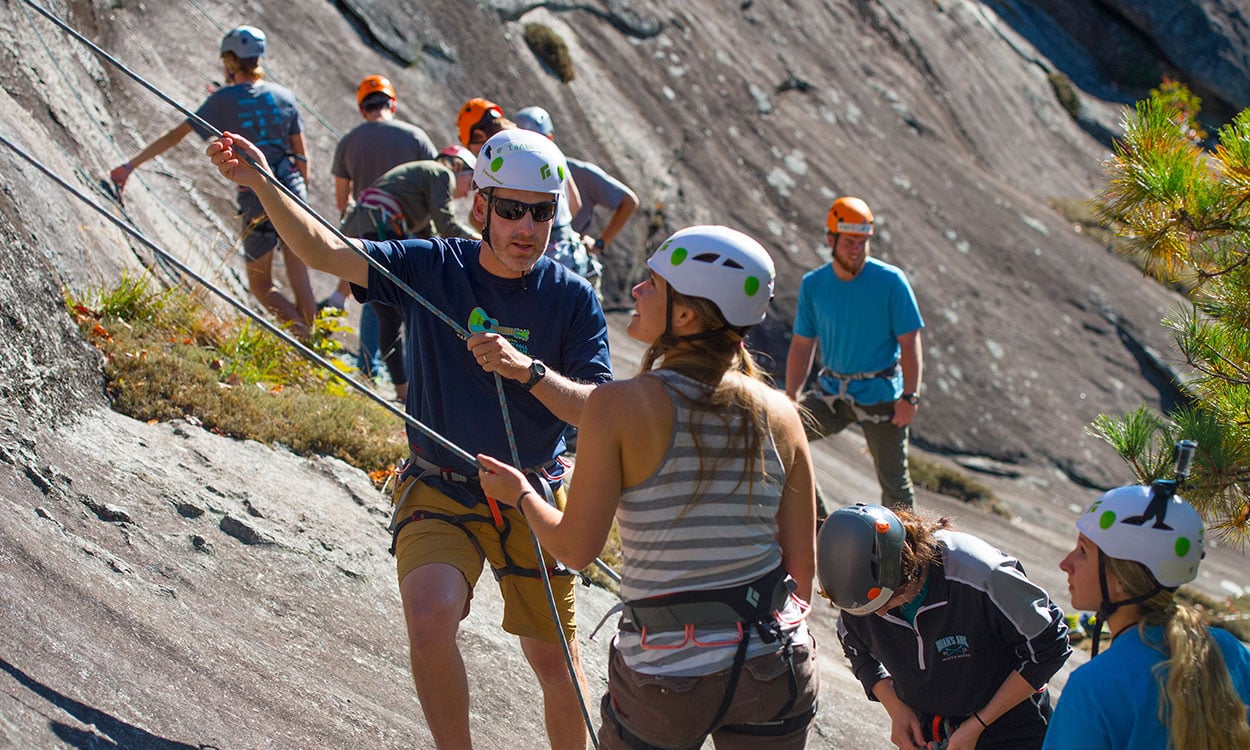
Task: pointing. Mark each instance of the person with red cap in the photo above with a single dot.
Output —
(478, 120)
(411, 200)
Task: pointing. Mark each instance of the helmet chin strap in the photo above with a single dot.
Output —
(1107, 607)
(490, 209)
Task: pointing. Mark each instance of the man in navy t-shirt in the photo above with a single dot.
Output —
(541, 329)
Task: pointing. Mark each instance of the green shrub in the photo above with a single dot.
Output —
(944, 480)
(168, 357)
(548, 47)
(1065, 92)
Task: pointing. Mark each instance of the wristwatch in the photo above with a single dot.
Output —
(538, 371)
(911, 398)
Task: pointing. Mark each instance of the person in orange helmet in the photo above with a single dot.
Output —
(477, 121)
(865, 317)
(369, 150)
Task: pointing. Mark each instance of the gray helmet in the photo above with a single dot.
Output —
(859, 557)
(244, 41)
(534, 118)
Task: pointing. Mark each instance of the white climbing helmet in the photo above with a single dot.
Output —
(520, 160)
(244, 41)
(1166, 538)
(719, 264)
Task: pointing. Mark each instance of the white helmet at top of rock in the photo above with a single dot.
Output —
(244, 41)
(520, 160)
(536, 119)
(719, 264)
(1166, 537)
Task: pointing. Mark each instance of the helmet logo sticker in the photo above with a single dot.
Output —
(678, 257)
(1182, 546)
(1106, 520)
(751, 286)
(1156, 509)
(545, 172)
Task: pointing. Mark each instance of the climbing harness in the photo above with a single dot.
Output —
(748, 607)
(417, 468)
(400, 519)
(383, 211)
(844, 381)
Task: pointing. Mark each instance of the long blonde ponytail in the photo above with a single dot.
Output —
(1197, 700)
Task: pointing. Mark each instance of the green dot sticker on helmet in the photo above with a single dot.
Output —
(496, 163)
(1106, 520)
(678, 256)
(1182, 546)
(751, 285)
(560, 172)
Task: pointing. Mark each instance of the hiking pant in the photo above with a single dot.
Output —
(887, 444)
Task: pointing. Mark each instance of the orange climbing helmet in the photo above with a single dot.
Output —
(473, 112)
(851, 216)
(374, 85)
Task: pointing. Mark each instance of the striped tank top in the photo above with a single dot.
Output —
(672, 541)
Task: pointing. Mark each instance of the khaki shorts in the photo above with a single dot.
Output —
(428, 541)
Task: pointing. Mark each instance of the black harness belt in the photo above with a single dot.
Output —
(742, 604)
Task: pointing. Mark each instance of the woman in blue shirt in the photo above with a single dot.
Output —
(1166, 681)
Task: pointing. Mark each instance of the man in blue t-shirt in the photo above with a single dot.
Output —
(266, 114)
(864, 314)
(533, 323)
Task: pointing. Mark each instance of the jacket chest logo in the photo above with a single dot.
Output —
(953, 647)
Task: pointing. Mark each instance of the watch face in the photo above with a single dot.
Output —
(537, 372)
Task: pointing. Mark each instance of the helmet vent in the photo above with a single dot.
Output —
(718, 258)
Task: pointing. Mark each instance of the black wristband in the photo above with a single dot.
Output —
(521, 497)
(980, 721)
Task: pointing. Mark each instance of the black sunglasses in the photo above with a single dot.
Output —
(514, 210)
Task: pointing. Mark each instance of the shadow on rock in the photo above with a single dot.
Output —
(108, 731)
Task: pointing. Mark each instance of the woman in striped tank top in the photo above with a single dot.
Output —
(706, 469)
